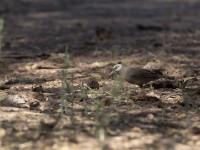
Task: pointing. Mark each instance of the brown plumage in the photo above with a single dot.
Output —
(136, 76)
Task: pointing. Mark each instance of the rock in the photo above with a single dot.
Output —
(162, 68)
(14, 100)
(91, 83)
(38, 89)
(102, 33)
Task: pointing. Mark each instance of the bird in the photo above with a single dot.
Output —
(136, 76)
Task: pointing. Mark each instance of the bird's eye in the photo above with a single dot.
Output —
(115, 67)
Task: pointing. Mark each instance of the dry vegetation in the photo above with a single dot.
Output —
(55, 88)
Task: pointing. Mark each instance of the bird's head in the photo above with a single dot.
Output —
(116, 69)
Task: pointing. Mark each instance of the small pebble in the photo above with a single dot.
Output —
(150, 116)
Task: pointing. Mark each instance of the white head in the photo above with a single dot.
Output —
(116, 69)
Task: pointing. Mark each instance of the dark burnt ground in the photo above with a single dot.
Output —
(99, 33)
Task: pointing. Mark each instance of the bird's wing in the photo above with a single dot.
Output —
(141, 73)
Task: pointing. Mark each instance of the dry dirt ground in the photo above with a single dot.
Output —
(98, 34)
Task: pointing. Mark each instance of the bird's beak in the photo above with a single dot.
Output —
(112, 74)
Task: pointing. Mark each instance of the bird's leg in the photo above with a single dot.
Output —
(150, 85)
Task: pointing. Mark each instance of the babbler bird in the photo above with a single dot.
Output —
(136, 76)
